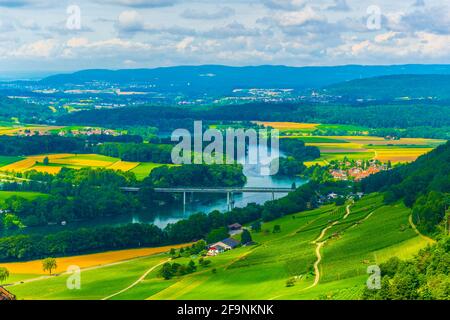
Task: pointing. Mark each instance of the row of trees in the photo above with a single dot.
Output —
(30, 145)
(387, 115)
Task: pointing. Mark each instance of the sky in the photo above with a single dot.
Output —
(60, 35)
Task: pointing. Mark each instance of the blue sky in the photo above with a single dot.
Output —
(34, 35)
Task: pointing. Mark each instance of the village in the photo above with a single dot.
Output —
(356, 170)
(66, 132)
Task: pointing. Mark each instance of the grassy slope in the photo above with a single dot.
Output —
(24, 194)
(370, 234)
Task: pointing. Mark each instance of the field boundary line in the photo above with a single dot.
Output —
(137, 281)
(44, 277)
(428, 239)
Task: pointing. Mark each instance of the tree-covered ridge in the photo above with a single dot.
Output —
(423, 185)
(16, 108)
(32, 145)
(372, 115)
(425, 277)
(408, 86)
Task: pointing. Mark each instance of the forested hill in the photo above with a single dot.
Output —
(423, 185)
(392, 87)
(223, 79)
(372, 115)
(25, 111)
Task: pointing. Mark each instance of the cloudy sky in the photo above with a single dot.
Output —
(60, 35)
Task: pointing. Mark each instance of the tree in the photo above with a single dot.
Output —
(166, 271)
(46, 161)
(256, 226)
(246, 237)
(276, 228)
(191, 266)
(217, 235)
(4, 275)
(49, 264)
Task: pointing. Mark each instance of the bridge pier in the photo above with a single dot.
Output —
(184, 203)
(230, 201)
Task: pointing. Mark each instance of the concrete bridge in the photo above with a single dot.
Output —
(230, 191)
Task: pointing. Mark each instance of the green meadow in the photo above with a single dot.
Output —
(370, 234)
(144, 169)
(24, 194)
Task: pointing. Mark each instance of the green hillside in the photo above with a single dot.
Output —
(369, 233)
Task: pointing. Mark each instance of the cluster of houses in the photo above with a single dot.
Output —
(226, 244)
(357, 170)
(88, 132)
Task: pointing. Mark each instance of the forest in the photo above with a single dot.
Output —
(369, 114)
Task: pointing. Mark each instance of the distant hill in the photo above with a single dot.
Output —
(400, 87)
(216, 79)
(16, 108)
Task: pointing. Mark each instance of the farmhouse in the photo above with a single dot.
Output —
(234, 229)
(222, 246)
(235, 226)
(6, 295)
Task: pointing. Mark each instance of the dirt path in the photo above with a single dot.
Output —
(319, 244)
(43, 277)
(137, 281)
(427, 239)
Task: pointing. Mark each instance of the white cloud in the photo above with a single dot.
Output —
(195, 14)
(142, 3)
(41, 49)
(299, 18)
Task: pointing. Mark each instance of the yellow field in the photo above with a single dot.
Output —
(400, 155)
(288, 125)
(75, 161)
(78, 161)
(368, 147)
(11, 131)
(19, 166)
(85, 261)
(47, 169)
(123, 165)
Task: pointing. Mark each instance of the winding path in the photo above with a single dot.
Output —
(320, 244)
(427, 239)
(137, 281)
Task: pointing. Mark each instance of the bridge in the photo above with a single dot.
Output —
(229, 191)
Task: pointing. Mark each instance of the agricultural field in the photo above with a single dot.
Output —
(143, 169)
(356, 144)
(367, 147)
(306, 129)
(13, 129)
(74, 161)
(325, 251)
(85, 261)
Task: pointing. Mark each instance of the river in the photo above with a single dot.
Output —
(161, 216)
